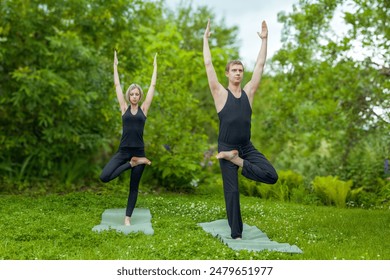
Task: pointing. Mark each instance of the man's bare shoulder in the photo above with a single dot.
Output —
(220, 99)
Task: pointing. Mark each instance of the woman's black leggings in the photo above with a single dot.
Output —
(256, 167)
(119, 163)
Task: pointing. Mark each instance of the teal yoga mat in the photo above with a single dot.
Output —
(253, 239)
(112, 219)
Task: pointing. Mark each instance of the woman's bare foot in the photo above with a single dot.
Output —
(127, 221)
(139, 160)
(228, 155)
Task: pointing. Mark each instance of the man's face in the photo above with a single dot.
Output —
(235, 74)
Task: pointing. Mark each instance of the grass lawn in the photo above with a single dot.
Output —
(59, 227)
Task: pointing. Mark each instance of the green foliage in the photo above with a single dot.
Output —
(265, 191)
(287, 182)
(281, 192)
(59, 115)
(366, 161)
(290, 178)
(53, 85)
(303, 195)
(248, 187)
(331, 190)
(324, 110)
(362, 198)
(384, 192)
(369, 198)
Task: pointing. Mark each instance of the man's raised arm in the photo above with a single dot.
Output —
(214, 84)
(216, 88)
(251, 87)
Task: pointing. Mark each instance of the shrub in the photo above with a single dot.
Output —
(248, 187)
(288, 180)
(281, 192)
(384, 190)
(302, 195)
(331, 190)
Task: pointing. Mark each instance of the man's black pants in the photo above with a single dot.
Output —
(256, 167)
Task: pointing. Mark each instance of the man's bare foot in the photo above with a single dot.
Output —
(228, 155)
(139, 160)
(127, 221)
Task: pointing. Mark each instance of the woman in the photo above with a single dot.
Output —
(131, 154)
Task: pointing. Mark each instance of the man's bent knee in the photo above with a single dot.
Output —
(274, 178)
(104, 179)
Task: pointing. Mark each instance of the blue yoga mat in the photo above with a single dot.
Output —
(113, 219)
(253, 239)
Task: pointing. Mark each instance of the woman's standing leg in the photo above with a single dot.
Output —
(135, 178)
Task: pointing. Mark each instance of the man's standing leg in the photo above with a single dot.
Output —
(232, 197)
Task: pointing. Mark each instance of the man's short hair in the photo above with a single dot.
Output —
(233, 62)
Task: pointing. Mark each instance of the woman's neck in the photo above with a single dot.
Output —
(133, 106)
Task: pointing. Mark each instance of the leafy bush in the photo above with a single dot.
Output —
(366, 162)
(288, 180)
(384, 190)
(364, 199)
(248, 187)
(331, 190)
(281, 192)
(367, 198)
(54, 89)
(302, 195)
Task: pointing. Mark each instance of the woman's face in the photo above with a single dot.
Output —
(134, 96)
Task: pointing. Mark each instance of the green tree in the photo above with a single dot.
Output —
(50, 83)
(323, 100)
(59, 115)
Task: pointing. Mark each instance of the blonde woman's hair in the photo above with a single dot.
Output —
(131, 87)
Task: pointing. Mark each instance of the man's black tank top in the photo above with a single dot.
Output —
(235, 120)
(133, 129)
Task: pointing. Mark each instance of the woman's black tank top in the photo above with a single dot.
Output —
(235, 120)
(133, 129)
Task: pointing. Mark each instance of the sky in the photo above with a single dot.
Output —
(248, 15)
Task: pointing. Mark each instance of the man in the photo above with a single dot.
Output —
(234, 108)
